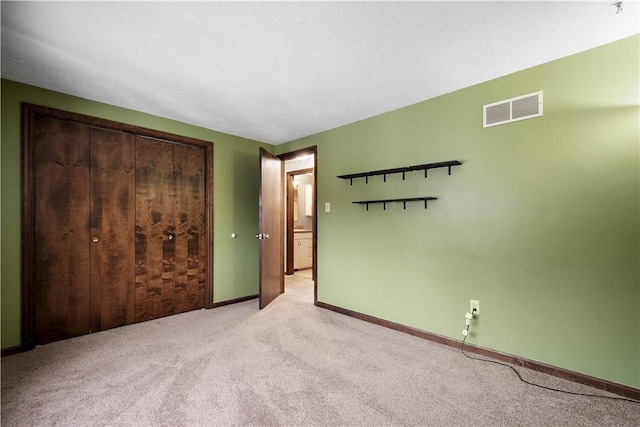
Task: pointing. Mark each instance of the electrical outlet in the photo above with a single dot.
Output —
(474, 305)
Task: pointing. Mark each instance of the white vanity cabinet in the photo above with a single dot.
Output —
(302, 249)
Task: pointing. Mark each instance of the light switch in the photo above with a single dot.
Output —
(327, 207)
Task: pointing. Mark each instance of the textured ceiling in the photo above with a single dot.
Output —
(275, 72)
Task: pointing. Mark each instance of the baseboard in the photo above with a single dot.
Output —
(8, 351)
(610, 386)
(19, 349)
(234, 301)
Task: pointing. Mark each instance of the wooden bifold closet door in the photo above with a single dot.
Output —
(169, 227)
(115, 226)
(83, 223)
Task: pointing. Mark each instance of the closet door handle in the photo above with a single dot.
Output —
(95, 239)
(170, 237)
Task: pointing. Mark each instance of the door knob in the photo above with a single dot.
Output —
(170, 237)
(95, 239)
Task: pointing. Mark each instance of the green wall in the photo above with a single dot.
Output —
(540, 223)
(236, 170)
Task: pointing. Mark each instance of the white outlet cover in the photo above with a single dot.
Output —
(474, 303)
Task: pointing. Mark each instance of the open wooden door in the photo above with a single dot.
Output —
(271, 233)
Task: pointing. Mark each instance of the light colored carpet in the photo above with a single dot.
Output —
(289, 364)
(304, 273)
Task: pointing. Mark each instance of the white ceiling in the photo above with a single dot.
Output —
(278, 71)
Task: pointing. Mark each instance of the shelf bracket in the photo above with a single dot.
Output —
(384, 172)
(384, 177)
(366, 179)
(404, 202)
(351, 181)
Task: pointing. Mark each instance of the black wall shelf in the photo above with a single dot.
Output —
(384, 172)
(404, 201)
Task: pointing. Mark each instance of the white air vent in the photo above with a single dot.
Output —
(511, 110)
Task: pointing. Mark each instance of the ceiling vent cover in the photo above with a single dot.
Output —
(511, 110)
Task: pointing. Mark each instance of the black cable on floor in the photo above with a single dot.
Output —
(539, 385)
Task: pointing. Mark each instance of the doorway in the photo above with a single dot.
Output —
(299, 217)
(300, 230)
(273, 221)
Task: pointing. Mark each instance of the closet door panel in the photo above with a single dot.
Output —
(113, 226)
(189, 175)
(61, 247)
(155, 231)
(115, 222)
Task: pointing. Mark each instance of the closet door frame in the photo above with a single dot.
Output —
(30, 112)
